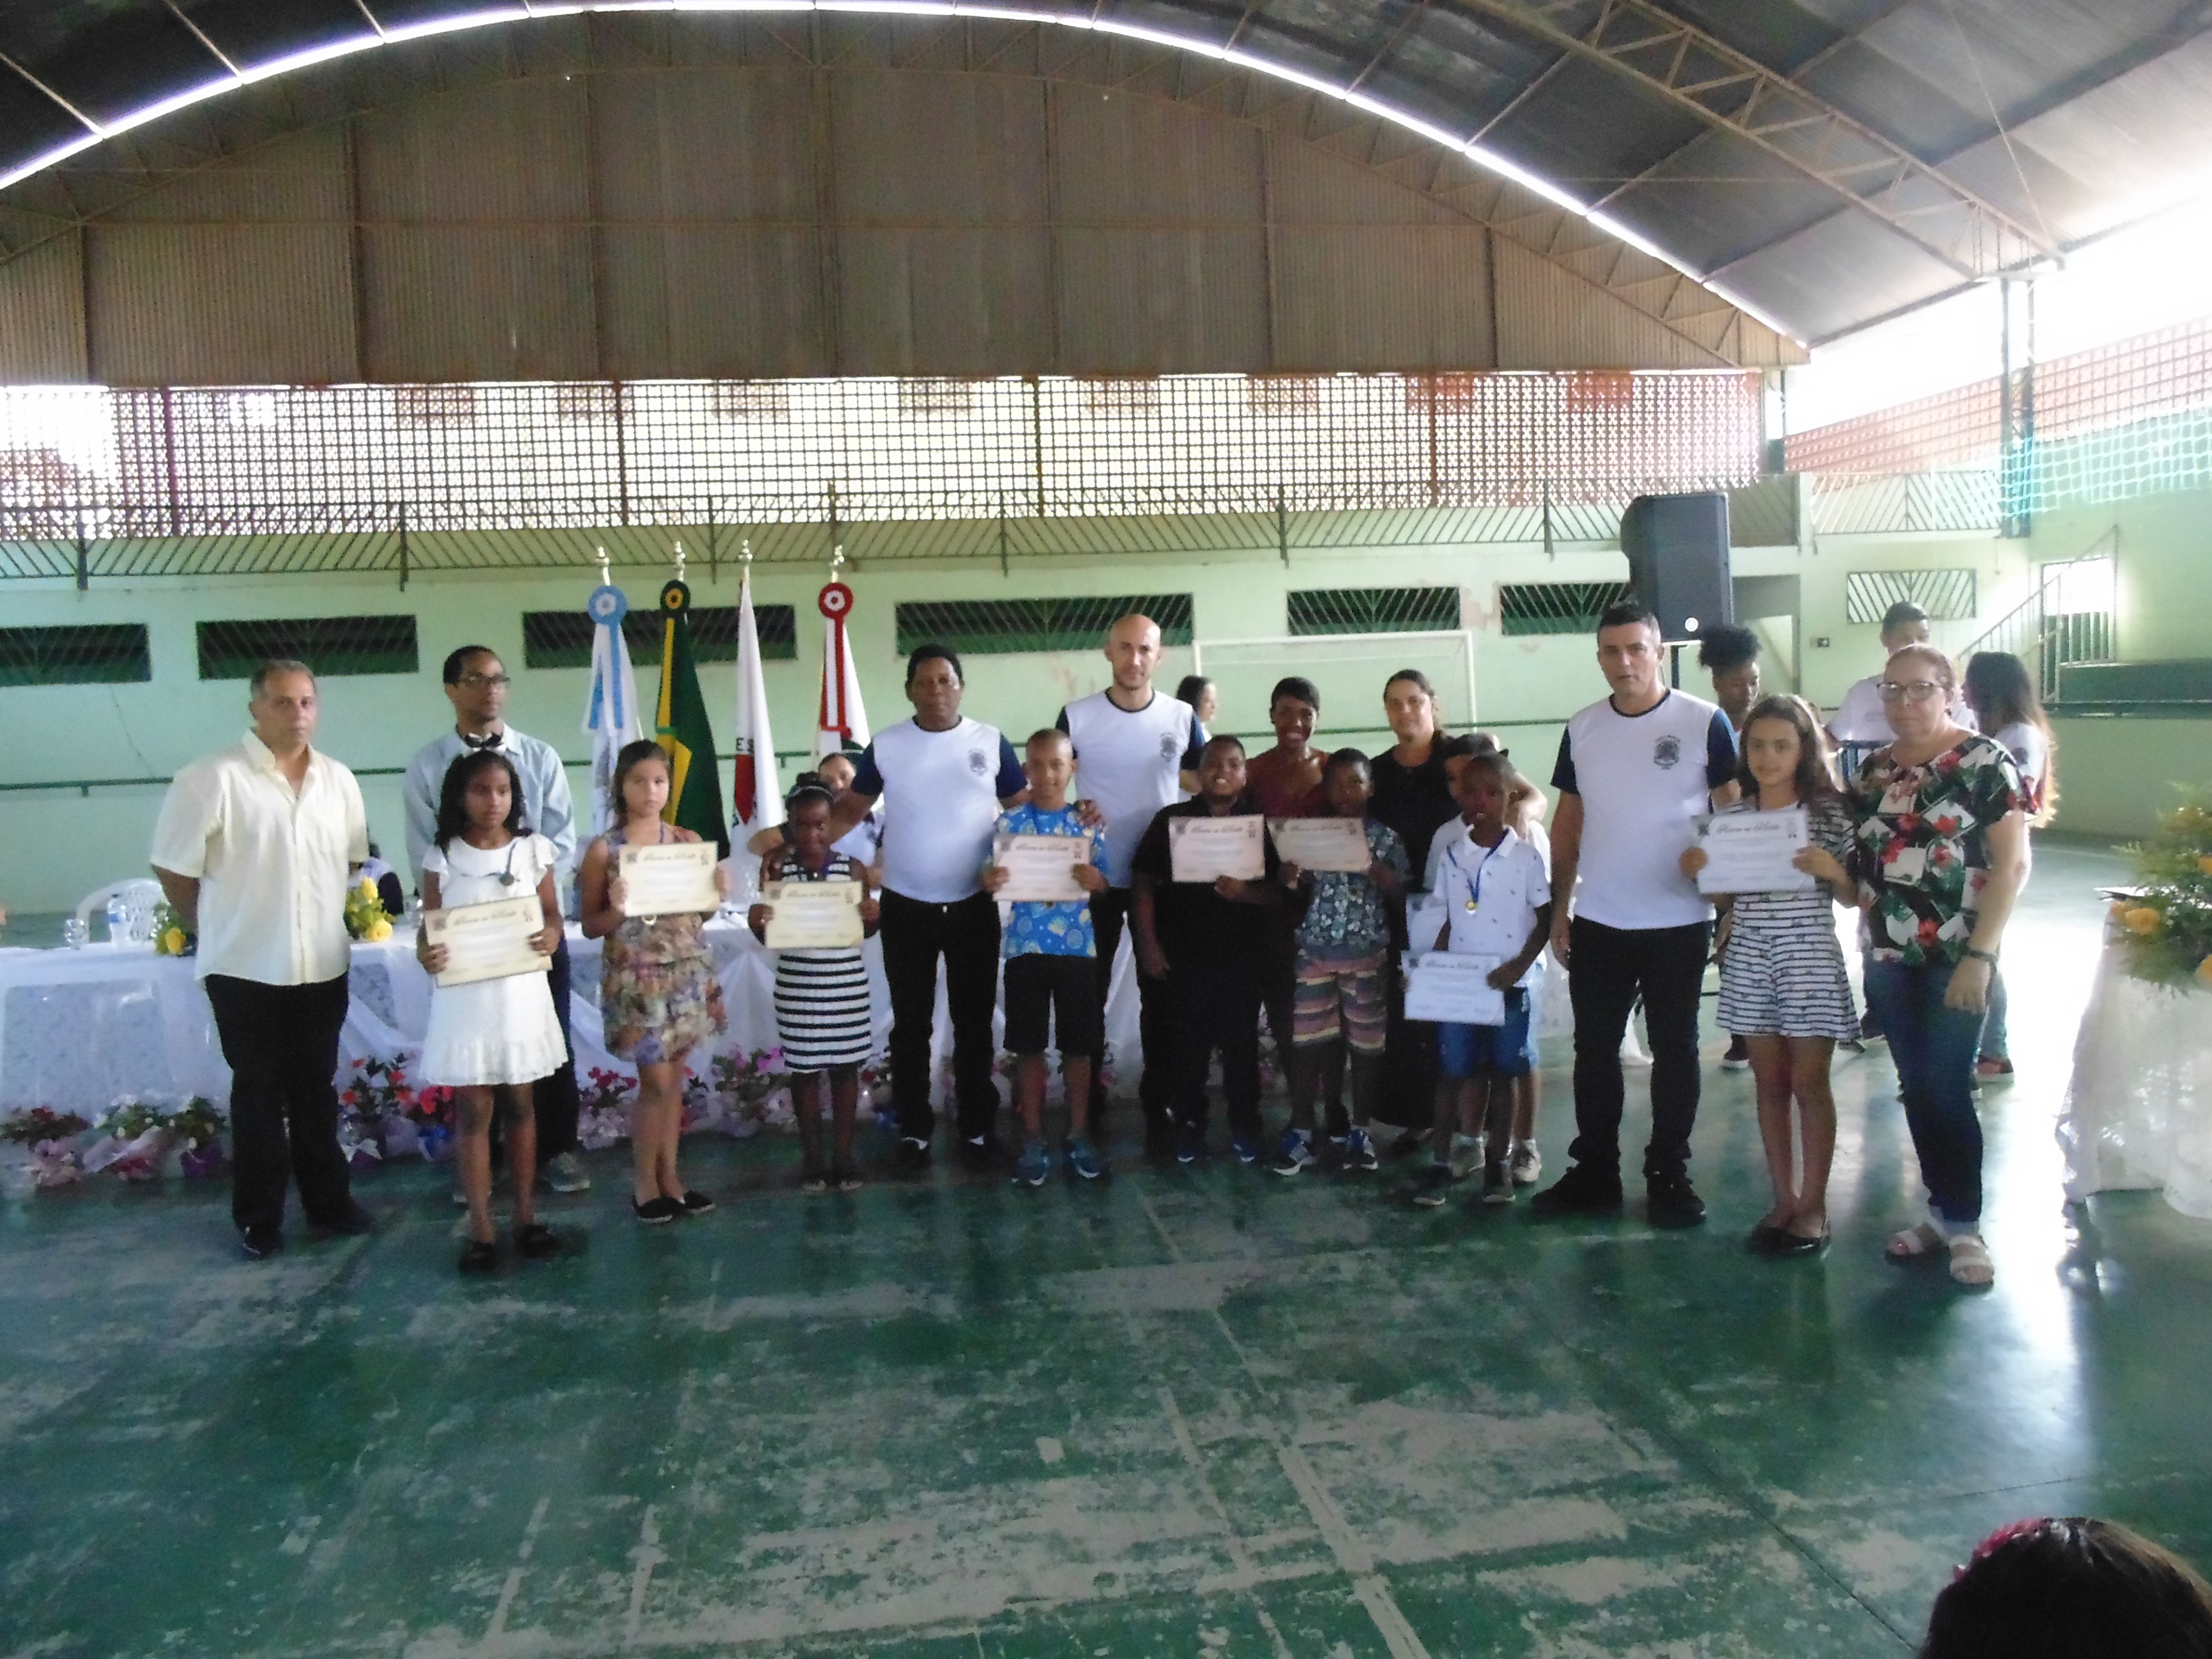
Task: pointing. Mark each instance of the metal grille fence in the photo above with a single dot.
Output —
(1945, 595)
(1373, 610)
(92, 654)
(341, 469)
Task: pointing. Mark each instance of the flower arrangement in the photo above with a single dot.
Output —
(39, 1125)
(604, 1117)
(2166, 923)
(137, 1136)
(365, 916)
(755, 1091)
(171, 937)
(198, 1124)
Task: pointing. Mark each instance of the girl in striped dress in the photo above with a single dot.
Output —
(1783, 984)
(822, 1014)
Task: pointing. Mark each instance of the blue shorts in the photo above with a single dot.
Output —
(1500, 1050)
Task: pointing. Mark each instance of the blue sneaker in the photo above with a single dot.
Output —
(1190, 1143)
(1246, 1148)
(1033, 1166)
(1360, 1152)
(1296, 1155)
(1083, 1159)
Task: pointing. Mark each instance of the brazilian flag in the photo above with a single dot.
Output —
(695, 783)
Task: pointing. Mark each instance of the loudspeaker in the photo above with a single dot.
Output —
(1678, 560)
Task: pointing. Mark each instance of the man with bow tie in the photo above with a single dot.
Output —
(476, 685)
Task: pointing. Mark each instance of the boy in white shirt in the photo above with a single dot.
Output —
(1491, 897)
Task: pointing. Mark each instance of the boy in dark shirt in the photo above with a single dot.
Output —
(1207, 941)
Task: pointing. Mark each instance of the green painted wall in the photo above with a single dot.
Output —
(2163, 545)
(60, 844)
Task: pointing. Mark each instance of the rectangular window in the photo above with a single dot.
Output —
(981, 626)
(1945, 595)
(102, 654)
(1556, 607)
(563, 638)
(1373, 610)
(328, 644)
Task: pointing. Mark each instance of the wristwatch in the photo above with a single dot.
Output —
(1989, 957)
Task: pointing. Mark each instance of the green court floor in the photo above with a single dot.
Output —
(1198, 1415)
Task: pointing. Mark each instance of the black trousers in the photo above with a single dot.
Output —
(1409, 1060)
(1216, 1006)
(1608, 968)
(1109, 918)
(281, 1043)
(555, 1102)
(966, 934)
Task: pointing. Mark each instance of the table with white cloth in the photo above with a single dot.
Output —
(2138, 1110)
(81, 1028)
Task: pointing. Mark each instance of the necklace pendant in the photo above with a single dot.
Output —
(1473, 905)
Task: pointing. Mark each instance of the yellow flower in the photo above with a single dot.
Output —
(2204, 863)
(172, 942)
(378, 932)
(2204, 970)
(2143, 920)
(366, 889)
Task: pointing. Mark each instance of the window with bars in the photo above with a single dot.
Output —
(98, 654)
(1373, 610)
(1556, 607)
(328, 644)
(563, 638)
(1945, 595)
(980, 627)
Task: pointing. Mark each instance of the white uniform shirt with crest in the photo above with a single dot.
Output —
(1644, 780)
(1129, 764)
(1505, 885)
(941, 791)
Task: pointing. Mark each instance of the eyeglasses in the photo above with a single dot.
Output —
(477, 682)
(1909, 691)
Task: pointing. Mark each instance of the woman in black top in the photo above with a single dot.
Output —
(1410, 797)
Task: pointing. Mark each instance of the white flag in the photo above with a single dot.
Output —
(756, 790)
(843, 720)
(611, 710)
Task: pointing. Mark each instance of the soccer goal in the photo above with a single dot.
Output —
(1348, 670)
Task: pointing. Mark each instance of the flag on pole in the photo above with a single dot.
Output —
(756, 790)
(695, 783)
(611, 714)
(843, 721)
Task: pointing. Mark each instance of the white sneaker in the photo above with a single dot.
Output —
(1466, 1155)
(565, 1174)
(1526, 1164)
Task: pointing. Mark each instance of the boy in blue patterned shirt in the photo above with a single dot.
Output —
(1052, 974)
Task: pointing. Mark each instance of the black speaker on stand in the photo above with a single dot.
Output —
(1678, 562)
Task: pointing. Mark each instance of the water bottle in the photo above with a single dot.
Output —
(118, 920)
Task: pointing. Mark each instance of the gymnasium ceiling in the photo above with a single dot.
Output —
(1823, 163)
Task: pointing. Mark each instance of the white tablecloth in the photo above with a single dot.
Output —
(2139, 1106)
(80, 1028)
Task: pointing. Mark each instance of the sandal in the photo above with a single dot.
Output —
(1914, 1243)
(479, 1255)
(813, 1181)
(1970, 1263)
(537, 1241)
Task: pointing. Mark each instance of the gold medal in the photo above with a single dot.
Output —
(1473, 905)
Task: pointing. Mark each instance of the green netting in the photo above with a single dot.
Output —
(83, 655)
(1555, 607)
(328, 644)
(983, 626)
(1373, 610)
(2148, 457)
(563, 638)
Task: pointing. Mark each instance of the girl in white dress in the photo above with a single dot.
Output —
(496, 1036)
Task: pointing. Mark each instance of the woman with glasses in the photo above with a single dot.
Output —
(1941, 839)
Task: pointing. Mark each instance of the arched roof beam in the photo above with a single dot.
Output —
(1650, 46)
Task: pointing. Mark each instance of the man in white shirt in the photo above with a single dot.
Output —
(942, 779)
(476, 685)
(1136, 750)
(1634, 773)
(1860, 725)
(255, 846)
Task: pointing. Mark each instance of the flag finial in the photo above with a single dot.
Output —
(745, 552)
(606, 571)
(679, 561)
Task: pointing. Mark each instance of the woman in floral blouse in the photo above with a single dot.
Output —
(1941, 838)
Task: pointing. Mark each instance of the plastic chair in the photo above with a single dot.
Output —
(140, 896)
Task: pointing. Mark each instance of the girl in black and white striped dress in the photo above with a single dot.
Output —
(1783, 984)
(822, 1009)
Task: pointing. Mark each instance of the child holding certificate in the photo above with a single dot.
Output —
(492, 1036)
(1204, 936)
(1051, 968)
(1783, 984)
(657, 986)
(1342, 1008)
(823, 1016)
(1491, 899)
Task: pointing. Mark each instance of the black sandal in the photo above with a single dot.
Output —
(479, 1255)
(537, 1241)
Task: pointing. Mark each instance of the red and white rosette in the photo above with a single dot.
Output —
(842, 722)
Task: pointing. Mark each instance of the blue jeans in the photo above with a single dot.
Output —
(1993, 1046)
(1934, 1047)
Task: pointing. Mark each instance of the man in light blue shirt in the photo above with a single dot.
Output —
(476, 685)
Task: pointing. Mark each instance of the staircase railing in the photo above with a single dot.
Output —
(2067, 618)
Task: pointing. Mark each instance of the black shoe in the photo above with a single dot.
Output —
(1761, 1239)
(982, 1152)
(351, 1222)
(693, 1203)
(1433, 1185)
(911, 1156)
(1788, 1244)
(1671, 1201)
(259, 1243)
(1159, 1139)
(1581, 1191)
(656, 1212)
(479, 1255)
(537, 1241)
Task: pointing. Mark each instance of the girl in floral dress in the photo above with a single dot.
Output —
(658, 992)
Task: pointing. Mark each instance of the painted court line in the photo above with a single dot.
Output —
(647, 1555)
(506, 1592)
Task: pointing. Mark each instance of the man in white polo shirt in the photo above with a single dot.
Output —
(1136, 750)
(1634, 773)
(942, 779)
(254, 846)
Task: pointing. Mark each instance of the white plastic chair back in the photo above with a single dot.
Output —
(140, 896)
